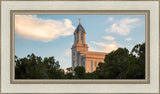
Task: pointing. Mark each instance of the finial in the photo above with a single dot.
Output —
(79, 21)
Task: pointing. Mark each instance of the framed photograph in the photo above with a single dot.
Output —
(65, 46)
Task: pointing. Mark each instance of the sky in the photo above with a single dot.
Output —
(52, 35)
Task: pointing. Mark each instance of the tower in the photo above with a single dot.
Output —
(80, 54)
(79, 47)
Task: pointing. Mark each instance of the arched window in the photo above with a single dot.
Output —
(74, 54)
(91, 65)
(95, 64)
(81, 36)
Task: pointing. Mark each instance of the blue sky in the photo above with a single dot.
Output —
(52, 35)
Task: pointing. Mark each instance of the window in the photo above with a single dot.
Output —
(81, 36)
(92, 66)
(77, 37)
(95, 64)
(74, 54)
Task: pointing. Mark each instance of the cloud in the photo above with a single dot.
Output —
(68, 52)
(110, 19)
(106, 47)
(108, 37)
(45, 30)
(91, 48)
(124, 26)
(128, 39)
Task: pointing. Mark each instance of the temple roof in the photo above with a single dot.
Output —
(80, 28)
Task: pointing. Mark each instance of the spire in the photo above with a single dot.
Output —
(80, 27)
(79, 21)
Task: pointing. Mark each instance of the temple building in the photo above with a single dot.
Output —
(80, 54)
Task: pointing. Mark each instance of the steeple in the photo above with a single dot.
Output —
(80, 27)
(79, 47)
(79, 34)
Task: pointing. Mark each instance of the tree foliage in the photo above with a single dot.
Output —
(118, 64)
(80, 72)
(33, 67)
(121, 64)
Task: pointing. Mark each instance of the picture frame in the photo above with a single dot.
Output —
(10, 8)
(73, 81)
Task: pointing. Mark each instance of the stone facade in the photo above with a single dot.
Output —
(80, 54)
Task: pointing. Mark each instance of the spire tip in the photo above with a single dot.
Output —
(79, 21)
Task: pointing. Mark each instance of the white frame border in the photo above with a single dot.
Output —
(153, 87)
